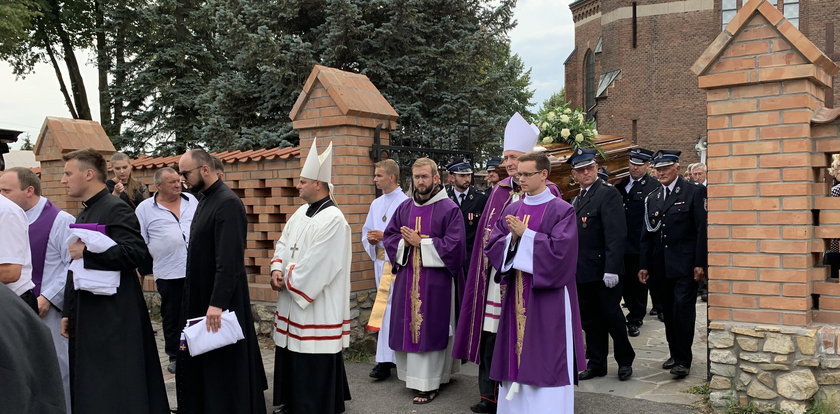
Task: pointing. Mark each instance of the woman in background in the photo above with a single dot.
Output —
(832, 256)
(123, 185)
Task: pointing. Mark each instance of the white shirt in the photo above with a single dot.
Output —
(630, 184)
(669, 187)
(166, 235)
(57, 257)
(377, 218)
(14, 244)
(458, 194)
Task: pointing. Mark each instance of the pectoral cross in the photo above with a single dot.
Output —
(294, 249)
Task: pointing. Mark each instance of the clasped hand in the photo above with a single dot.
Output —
(517, 226)
(410, 236)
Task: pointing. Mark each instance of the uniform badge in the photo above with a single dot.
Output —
(471, 196)
(677, 190)
(655, 213)
(583, 222)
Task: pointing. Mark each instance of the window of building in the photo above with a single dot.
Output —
(589, 80)
(790, 8)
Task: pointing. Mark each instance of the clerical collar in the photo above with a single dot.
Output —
(96, 197)
(318, 206)
(538, 199)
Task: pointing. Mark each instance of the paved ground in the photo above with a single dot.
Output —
(650, 390)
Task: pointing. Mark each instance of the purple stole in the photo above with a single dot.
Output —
(39, 237)
(518, 290)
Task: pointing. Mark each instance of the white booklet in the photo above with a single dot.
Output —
(200, 340)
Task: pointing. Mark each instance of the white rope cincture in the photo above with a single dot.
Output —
(514, 388)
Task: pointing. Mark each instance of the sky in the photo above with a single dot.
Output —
(543, 38)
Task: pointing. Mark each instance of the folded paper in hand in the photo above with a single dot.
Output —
(200, 340)
(99, 282)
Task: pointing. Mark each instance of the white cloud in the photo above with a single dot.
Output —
(544, 37)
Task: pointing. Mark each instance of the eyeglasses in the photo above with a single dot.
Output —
(527, 174)
(186, 173)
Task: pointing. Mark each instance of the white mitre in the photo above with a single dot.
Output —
(520, 135)
(318, 167)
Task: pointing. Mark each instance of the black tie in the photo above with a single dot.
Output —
(461, 198)
(580, 196)
(667, 192)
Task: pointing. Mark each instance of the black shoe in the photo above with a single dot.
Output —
(172, 366)
(381, 371)
(281, 410)
(704, 297)
(680, 371)
(669, 364)
(484, 406)
(660, 316)
(591, 373)
(654, 312)
(633, 330)
(625, 372)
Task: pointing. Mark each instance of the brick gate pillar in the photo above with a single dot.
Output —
(59, 136)
(763, 82)
(346, 108)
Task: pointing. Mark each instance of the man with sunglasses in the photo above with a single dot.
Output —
(230, 379)
(601, 232)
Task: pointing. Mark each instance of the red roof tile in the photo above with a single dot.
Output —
(227, 157)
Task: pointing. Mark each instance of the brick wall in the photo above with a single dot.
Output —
(655, 87)
(771, 302)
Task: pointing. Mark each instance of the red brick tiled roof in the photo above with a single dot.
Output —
(227, 157)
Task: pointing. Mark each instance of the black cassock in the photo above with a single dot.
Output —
(114, 364)
(230, 379)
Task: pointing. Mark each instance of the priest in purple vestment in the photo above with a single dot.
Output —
(539, 342)
(475, 336)
(425, 242)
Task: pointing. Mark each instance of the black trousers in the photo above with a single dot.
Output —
(171, 291)
(601, 317)
(635, 293)
(679, 296)
(488, 388)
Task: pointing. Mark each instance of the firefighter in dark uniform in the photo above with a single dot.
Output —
(601, 234)
(673, 253)
(470, 199)
(633, 190)
(493, 173)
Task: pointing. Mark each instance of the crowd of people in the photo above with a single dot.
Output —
(515, 279)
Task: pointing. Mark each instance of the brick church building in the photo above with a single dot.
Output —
(630, 68)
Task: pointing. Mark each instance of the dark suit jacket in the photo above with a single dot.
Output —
(601, 232)
(634, 209)
(471, 210)
(679, 245)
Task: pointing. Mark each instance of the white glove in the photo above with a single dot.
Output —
(610, 279)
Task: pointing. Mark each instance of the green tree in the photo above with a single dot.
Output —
(26, 145)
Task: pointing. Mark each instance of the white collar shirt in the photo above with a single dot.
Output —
(167, 236)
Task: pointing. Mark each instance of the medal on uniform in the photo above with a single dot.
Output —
(583, 222)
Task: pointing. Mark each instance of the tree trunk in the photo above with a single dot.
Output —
(77, 83)
(119, 81)
(103, 66)
(58, 75)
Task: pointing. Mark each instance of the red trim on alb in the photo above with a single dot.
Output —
(496, 304)
(289, 285)
(313, 338)
(277, 261)
(491, 316)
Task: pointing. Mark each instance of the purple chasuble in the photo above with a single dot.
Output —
(530, 343)
(39, 237)
(421, 301)
(471, 319)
